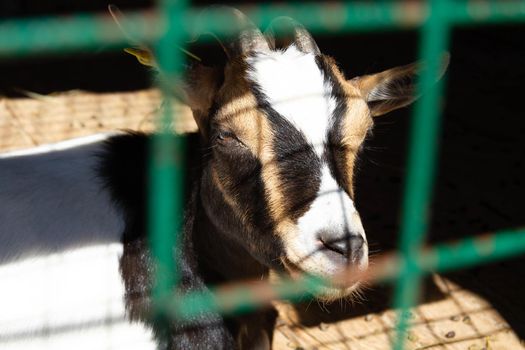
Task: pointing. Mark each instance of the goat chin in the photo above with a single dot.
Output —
(327, 292)
(332, 293)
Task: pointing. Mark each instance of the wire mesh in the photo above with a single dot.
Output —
(174, 22)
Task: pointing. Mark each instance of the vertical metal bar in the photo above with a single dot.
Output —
(167, 163)
(421, 162)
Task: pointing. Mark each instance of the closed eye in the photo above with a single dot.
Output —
(227, 139)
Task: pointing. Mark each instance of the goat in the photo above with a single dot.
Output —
(280, 129)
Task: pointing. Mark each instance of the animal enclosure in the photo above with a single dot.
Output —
(406, 268)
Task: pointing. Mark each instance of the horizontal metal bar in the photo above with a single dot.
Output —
(58, 34)
(470, 251)
(74, 33)
(243, 297)
(486, 12)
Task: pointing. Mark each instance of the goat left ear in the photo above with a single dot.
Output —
(199, 83)
(393, 88)
(143, 55)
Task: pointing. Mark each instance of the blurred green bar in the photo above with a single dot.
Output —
(58, 34)
(29, 36)
(242, 299)
(167, 166)
(330, 18)
(473, 251)
(421, 163)
(72, 33)
(486, 12)
(440, 258)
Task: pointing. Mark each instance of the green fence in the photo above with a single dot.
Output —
(175, 19)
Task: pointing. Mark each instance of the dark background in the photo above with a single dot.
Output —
(480, 183)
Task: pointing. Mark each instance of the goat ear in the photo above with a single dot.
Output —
(393, 88)
(141, 52)
(143, 55)
(199, 84)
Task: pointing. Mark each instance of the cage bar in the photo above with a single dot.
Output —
(24, 37)
(167, 160)
(244, 296)
(425, 126)
(473, 251)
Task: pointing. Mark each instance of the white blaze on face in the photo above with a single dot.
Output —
(295, 88)
(332, 210)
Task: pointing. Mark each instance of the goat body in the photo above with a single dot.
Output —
(72, 219)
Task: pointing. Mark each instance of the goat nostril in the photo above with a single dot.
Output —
(338, 246)
(356, 244)
(350, 246)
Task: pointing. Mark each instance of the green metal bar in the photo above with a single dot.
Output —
(167, 166)
(329, 18)
(443, 257)
(421, 163)
(473, 251)
(24, 37)
(31, 36)
(243, 297)
(468, 13)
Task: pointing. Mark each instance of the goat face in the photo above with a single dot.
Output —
(284, 128)
(284, 138)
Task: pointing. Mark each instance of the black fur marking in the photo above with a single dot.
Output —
(242, 172)
(124, 171)
(123, 167)
(298, 165)
(239, 172)
(335, 152)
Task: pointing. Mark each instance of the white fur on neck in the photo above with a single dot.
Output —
(296, 89)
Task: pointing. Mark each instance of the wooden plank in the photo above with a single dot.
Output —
(458, 319)
(28, 122)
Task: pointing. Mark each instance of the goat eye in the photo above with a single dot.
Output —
(227, 137)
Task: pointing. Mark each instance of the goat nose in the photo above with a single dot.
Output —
(351, 246)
